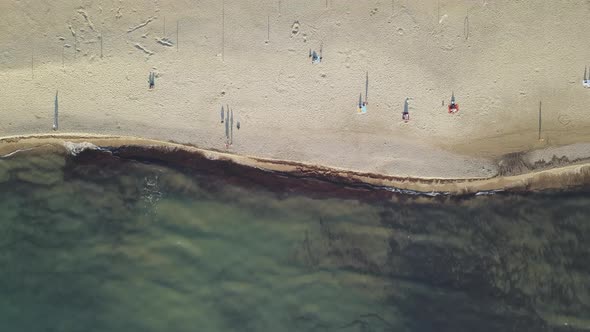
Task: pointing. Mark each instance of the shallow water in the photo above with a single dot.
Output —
(119, 245)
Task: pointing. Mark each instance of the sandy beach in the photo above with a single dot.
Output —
(500, 58)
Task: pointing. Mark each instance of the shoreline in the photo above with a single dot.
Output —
(562, 177)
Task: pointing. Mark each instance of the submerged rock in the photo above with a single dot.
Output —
(46, 169)
(4, 172)
(40, 177)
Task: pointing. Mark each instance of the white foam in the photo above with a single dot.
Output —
(75, 148)
(15, 152)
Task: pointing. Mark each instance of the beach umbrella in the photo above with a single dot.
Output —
(231, 127)
(367, 87)
(152, 79)
(227, 124)
(55, 112)
(406, 107)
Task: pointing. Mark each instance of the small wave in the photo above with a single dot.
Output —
(488, 193)
(75, 148)
(438, 193)
(417, 193)
(8, 155)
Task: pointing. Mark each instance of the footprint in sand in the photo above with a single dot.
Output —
(564, 119)
(295, 29)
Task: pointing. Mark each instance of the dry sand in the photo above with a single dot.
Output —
(499, 57)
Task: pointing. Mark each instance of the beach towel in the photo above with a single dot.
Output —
(362, 109)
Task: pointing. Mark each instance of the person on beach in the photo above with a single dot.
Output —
(453, 106)
(406, 113)
(586, 81)
(315, 57)
(362, 107)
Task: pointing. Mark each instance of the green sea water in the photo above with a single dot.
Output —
(127, 246)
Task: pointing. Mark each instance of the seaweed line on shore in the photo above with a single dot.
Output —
(190, 157)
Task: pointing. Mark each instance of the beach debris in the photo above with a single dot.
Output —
(315, 56)
(55, 112)
(406, 112)
(143, 49)
(87, 18)
(72, 30)
(164, 41)
(141, 25)
(152, 80)
(238, 125)
(453, 106)
(586, 81)
(222, 113)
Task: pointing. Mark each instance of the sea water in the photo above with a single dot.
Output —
(122, 245)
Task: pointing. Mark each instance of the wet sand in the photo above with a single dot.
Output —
(547, 176)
